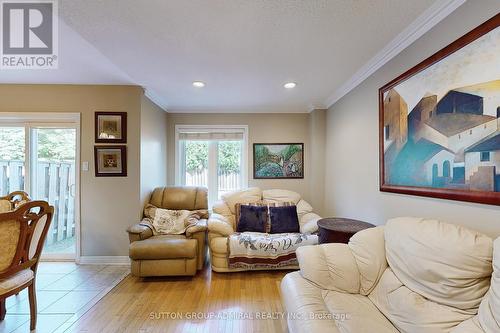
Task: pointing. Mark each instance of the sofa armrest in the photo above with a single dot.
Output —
(200, 226)
(330, 266)
(139, 232)
(220, 225)
(309, 223)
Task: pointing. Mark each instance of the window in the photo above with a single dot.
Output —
(485, 156)
(212, 156)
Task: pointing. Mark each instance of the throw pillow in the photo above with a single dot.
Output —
(252, 218)
(284, 219)
(169, 222)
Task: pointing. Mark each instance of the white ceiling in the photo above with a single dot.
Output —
(244, 50)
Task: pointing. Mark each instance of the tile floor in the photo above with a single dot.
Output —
(65, 291)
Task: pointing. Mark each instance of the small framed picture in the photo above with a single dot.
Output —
(111, 127)
(110, 161)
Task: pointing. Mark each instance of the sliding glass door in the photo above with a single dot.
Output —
(40, 159)
(53, 179)
(12, 159)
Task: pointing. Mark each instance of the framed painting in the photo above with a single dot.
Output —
(110, 127)
(278, 160)
(439, 123)
(110, 161)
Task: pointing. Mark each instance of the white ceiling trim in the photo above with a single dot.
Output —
(425, 22)
(155, 98)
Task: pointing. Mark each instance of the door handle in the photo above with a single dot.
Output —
(72, 189)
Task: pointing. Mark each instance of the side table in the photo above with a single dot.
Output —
(339, 230)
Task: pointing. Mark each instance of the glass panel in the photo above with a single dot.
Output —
(229, 166)
(12, 157)
(196, 163)
(53, 180)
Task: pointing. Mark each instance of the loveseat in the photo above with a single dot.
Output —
(413, 275)
(222, 223)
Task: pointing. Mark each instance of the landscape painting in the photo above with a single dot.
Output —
(278, 160)
(440, 123)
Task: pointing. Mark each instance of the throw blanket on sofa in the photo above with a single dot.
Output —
(252, 250)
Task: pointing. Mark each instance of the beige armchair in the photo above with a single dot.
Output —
(168, 255)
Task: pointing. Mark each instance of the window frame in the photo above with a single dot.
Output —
(179, 151)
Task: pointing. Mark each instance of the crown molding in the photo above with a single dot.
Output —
(425, 22)
(155, 98)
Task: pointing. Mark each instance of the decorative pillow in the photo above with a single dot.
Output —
(252, 218)
(237, 209)
(275, 204)
(284, 219)
(169, 222)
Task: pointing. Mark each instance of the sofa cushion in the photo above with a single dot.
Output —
(489, 310)
(303, 208)
(302, 299)
(356, 313)
(311, 309)
(283, 219)
(249, 195)
(278, 195)
(330, 266)
(252, 218)
(368, 248)
(445, 263)
(164, 247)
(411, 312)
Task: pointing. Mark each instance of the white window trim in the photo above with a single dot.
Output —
(213, 129)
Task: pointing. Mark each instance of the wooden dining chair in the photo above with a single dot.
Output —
(22, 235)
(13, 200)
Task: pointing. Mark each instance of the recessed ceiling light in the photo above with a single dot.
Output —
(290, 85)
(198, 84)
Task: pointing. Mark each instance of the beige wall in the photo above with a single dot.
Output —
(352, 140)
(153, 148)
(271, 128)
(108, 205)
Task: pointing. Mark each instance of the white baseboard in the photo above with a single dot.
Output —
(104, 260)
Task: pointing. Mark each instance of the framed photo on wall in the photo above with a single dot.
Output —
(278, 160)
(439, 122)
(110, 127)
(110, 161)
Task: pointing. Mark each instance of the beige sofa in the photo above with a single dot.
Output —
(221, 223)
(164, 255)
(413, 275)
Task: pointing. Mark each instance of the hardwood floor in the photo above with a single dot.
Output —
(187, 304)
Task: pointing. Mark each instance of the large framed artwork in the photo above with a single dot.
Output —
(439, 123)
(278, 160)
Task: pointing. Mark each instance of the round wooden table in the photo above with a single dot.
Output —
(339, 230)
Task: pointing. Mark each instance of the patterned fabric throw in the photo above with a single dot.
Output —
(253, 250)
(169, 222)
